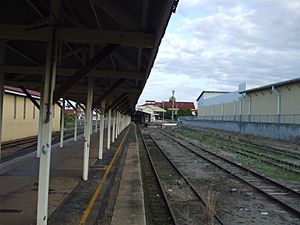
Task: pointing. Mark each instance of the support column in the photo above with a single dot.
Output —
(101, 132)
(38, 150)
(96, 124)
(46, 131)
(88, 125)
(62, 123)
(76, 122)
(108, 128)
(113, 127)
(117, 124)
(2, 76)
(120, 123)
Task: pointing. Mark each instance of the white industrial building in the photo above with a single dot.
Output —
(273, 103)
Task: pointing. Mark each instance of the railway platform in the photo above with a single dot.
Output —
(105, 197)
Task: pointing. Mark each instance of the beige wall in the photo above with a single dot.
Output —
(263, 102)
(21, 119)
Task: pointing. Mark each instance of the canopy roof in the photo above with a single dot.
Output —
(114, 41)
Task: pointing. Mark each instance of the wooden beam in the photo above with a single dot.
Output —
(109, 91)
(39, 70)
(77, 35)
(24, 55)
(72, 106)
(83, 71)
(116, 102)
(81, 107)
(32, 99)
(120, 16)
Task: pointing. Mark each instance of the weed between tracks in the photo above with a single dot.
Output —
(209, 209)
(224, 146)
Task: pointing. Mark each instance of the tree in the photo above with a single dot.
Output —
(70, 117)
(184, 112)
(168, 114)
(171, 99)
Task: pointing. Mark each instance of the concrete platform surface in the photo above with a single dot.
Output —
(129, 208)
(19, 181)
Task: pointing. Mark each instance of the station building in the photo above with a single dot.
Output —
(21, 116)
(168, 105)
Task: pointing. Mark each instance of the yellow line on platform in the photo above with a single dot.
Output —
(99, 187)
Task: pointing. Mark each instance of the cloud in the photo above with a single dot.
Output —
(215, 45)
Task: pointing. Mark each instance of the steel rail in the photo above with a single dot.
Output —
(159, 181)
(291, 154)
(182, 175)
(284, 165)
(284, 204)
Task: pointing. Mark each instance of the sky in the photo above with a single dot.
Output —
(218, 44)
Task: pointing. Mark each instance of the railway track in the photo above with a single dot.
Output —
(17, 148)
(157, 207)
(260, 147)
(287, 198)
(274, 158)
(169, 177)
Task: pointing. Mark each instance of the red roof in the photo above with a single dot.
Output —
(189, 105)
(15, 89)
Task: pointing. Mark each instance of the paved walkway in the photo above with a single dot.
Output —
(18, 181)
(129, 208)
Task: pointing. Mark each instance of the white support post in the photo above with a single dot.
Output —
(2, 76)
(96, 124)
(120, 124)
(62, 123)
(38, 150)
(114, 127)
(91, 127)
(88, 125)
(117, 125)
(117, 118)
(76, 121)
(101, 130)
(46, 131)
(108, 128)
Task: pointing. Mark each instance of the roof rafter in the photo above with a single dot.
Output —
(120, 16)
(78, 35)
(109, 91)
(83, 71)
(40, 70)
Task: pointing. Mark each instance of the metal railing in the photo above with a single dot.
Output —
(278, 119)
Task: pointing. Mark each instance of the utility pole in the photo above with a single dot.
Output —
(173, 92)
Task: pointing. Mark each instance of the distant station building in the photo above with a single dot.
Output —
(152, 110)
(20, 115)
(168, 105)
(277, 102)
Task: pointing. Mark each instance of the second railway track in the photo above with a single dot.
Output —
(279, 195)
(185, 203)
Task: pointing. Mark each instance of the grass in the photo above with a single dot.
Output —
(209, 210)
(221, 144)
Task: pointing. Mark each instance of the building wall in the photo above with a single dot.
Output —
(263, 102)
(20, 118)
